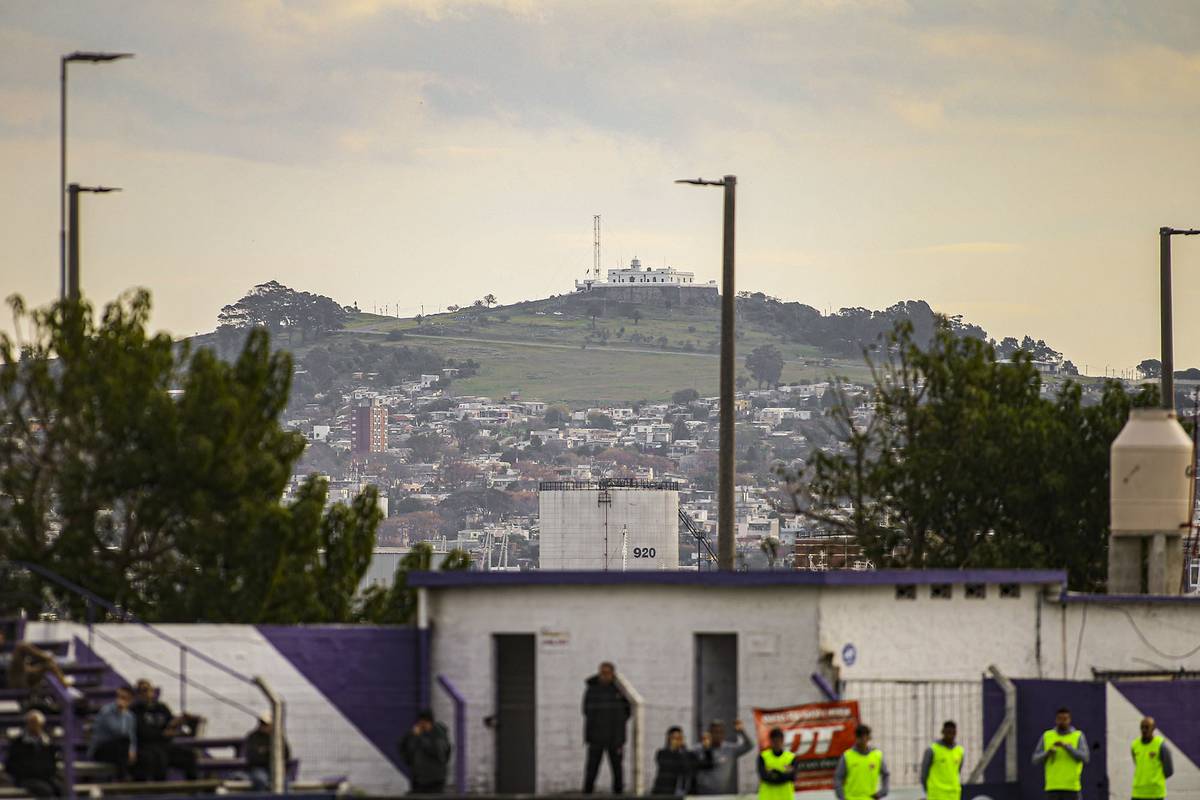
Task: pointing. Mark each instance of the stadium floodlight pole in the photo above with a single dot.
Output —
(93, 58)
(72, 287)
(1168, 342)
(726, 550)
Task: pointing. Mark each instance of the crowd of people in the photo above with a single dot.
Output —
(861, 773)
(136, 734)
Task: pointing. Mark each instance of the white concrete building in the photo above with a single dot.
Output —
(634, 274)
(911, 646)
(609, 525)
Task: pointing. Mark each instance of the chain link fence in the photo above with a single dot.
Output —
(906, 716)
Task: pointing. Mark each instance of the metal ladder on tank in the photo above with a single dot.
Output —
(701, 539)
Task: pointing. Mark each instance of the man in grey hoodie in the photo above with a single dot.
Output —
(722, 777)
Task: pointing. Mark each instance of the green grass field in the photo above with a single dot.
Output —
(556, 358)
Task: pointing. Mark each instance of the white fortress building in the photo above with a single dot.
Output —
(609, 525)
(635, 275)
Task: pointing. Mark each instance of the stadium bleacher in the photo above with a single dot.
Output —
(91, 683)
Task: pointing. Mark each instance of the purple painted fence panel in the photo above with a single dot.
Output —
(372, 675)
(1037, 700)
(1175, 706)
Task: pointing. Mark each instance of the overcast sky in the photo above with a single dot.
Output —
(1011, 162)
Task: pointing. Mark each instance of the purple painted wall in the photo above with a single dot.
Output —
(1175, 706)
(1036, 703)
(375, 676)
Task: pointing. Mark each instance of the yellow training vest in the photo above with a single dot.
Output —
(945, 773)
(781, 763)
(1062, 770)
(862, 774)
(1149, 782)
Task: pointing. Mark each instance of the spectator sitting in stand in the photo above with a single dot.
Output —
(257, 752)
(32, 760)
(114, 734)
(25, 668)
(156, 727)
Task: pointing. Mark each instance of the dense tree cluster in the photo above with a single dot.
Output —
(281, 310)
(152, 475)
(965, 463)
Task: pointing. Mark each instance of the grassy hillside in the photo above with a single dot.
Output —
(553, 350)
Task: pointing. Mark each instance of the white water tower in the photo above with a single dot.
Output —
(1151, 497)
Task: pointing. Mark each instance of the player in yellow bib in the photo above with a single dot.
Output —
(776, 770)
(1062, 752)
(941, 768)
(1152, 764)
(861, 773)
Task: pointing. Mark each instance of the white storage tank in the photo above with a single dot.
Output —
(608, 525)
(1151, 503)
(1151, 479)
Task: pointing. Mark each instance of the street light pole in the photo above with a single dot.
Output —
(1168, 343)
(94, 58)
(72, 287)
(726, 548)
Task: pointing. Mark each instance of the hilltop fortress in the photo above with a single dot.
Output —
(666, 286)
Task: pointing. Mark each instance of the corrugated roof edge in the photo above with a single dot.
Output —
(882, 577)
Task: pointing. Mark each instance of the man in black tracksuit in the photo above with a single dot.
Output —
(426, 750)
(605, 713)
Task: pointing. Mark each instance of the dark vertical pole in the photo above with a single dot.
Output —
(725, 519)
(62, 180)
(72, 290)
(1168, 350)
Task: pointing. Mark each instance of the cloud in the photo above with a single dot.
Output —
(923, 114)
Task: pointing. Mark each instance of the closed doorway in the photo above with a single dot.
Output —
(716, 680)
(516, 713)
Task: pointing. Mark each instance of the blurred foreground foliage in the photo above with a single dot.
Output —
(153, 474)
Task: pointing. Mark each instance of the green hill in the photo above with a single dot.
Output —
(554, 350)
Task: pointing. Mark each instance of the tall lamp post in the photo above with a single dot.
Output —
(1168, 341)
(93, 58)
(72, 287)
(725, 518)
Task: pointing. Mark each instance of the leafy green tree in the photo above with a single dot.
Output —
(599, 420)
(765, 363)
(152, 474)
(685, 396)
(557, 415)
(397, 605)
(965, 464)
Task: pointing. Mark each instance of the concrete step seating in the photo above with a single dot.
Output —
(93, 683)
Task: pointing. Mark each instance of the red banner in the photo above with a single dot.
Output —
(818, 733)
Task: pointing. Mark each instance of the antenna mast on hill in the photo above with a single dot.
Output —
(596, 246)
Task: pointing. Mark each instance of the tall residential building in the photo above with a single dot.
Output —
(368, 427)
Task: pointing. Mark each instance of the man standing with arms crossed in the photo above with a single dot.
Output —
(1062, 751)
(1152, 764)
(861, 773)
(941, 768)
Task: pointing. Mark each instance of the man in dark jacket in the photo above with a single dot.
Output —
(426, 751)
(605, 713)
(32, 760)
(156, 727)
(257, 752)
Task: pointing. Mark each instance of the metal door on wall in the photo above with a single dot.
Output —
(516, 713)
(716, 680)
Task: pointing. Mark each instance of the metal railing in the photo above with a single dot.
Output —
(606, 483)
(460, 733)
(94, 601)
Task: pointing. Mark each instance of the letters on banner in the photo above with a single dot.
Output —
(818, 733)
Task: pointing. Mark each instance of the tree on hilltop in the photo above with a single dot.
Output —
(765, 363)
(282, 310)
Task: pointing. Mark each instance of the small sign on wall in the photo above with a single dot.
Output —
(554, 640)
(762, 644)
